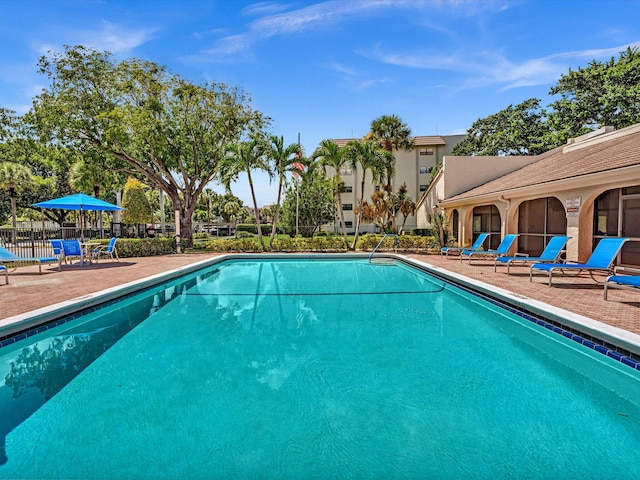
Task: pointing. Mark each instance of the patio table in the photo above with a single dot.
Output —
(86, 248)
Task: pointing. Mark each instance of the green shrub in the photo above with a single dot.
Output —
(144, 247)
(246, 245)
(244, 234)
(405, 243)
(251, 228)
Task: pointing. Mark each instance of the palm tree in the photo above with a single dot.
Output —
(369, 156)
(407, 205)
(208, 196)
(331, 155)
(245, 157)
(392, 133)
(283, 160)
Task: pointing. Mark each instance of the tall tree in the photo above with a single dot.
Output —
(245, 158)
(369, 157)
(519, 130)
(312, 204)
(603, 93)
(137, 209)
(392, 133)
(407, 205)
(150, 123)
(283, 160)
(329, 154)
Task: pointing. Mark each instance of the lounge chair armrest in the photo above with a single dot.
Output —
(518, 254)
(629, 270)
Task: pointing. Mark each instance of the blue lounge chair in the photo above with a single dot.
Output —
(502, 250)
(628, 282)
(7, 257)
(106, 250)
(550, 254)
(600, 260)
(72, 249)
(477, 245)
(6, 274)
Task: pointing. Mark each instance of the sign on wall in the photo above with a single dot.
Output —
(572, 206)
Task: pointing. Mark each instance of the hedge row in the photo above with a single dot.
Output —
(406, 243)
(144, 247)
(314, 244)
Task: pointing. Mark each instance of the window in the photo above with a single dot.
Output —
(538, 221)
(346, 171)
(426, 151)
(347, 206)
(423, 188)
(426, 169)
(346, 188)
(348, 224)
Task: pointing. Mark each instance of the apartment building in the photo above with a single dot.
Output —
(413, 167)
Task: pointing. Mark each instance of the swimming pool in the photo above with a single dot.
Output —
(313, 368)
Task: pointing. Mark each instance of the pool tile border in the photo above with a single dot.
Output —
(599, 345)
(16, 337)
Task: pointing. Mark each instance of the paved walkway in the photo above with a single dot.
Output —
(28, 291)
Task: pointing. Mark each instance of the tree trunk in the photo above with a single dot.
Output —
(277, 212)
(255, 209)
(355, 238)
(342, 222)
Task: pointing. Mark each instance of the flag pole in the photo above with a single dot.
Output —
(297, 194)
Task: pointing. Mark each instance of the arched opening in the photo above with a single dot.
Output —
(616, 214)
(486, 218)
(538, 221)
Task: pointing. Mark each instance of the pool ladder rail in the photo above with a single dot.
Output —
(395, 244)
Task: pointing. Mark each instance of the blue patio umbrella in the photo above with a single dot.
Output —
(79, 201)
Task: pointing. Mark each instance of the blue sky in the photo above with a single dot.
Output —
(326, 69)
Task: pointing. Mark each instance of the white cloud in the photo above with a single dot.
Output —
(115, 38)
(319, 15)
(107, 36)
(490, 68)
(264, 8)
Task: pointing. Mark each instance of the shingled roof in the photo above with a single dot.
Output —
(606, 152)
(419, 141)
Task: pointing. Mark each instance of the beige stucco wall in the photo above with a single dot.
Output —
(579, 224)
(460, 174)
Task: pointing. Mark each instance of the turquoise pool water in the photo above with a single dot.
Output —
(312, 369)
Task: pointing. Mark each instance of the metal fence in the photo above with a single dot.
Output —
(34, 241)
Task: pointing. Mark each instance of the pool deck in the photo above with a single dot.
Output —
(27, 290)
